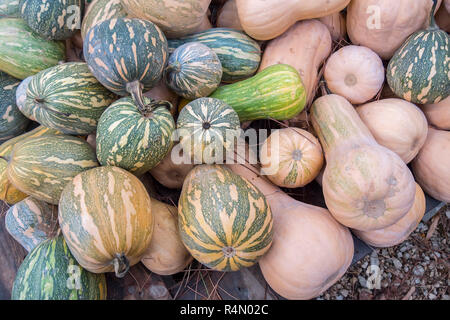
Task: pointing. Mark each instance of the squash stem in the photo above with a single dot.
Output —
(121, 265)
(135, 89)
(433, 25)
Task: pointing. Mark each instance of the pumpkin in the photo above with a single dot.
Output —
(291, 157)
(354, 72)
(397, 125)
(305, 46)
(24, 53)
(176, 18)
(366, 186)
(9, 8)
(267, 19)
(21, 93)
(8, 193)
(239, 54)
(50, 272)
(12, 121)
(205, 24)
(443, 16)
(207, 129)
(384, 25)
(162, 92)
(42, 166)
(438, 114)
(228, 16)
(31, 222)
(133, 140)
(310, 252)
(53, 20)
(431, 167)
(419, 71)
(399, 231)
(67, 98)
(336, 24)
(166, 254)
(276, 92)
(123, 71)
(193, 71)
(224, 220)
(109, 230)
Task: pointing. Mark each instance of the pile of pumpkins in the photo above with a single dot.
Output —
(371, 79)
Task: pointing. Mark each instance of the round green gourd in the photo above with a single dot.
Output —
(126, 55)
(206, 127)
(132, 140)
(67, 98)
(9, 8)
(193, 71)
(50, 272)
(21, 94)
(419, 71)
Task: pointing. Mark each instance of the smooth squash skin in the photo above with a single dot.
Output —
(366, 186)
(8, 193)
(438, 114)
(228, 16)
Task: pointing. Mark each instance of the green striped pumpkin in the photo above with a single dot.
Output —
(12, 121)
(106, 218)
(67, 98)
(8, 193)
(126, 55)
(239, 54)
(193, 71)
(42, 166)
(23, 53)
(419, 71)
(21, 93)
(9, 8)
(50, 272)
(31, 222)
(131, 140)
(276, 92)
(205, 127)
(53, 20)
(224, 220)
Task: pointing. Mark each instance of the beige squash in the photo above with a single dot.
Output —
(355, 72)
(396, 124)
(438, 114)
(336, 24)
(162, 92)
(443, 16)
(228, 16)
(267, 19)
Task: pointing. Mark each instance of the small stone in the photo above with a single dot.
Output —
(418, 270)
(399, 255)
(432, 296)
(339, 297)
(364, 265)
(447, 213)
(397, 263)
(407, 256)
(437, 254)
(406, 268)
(417, 281)
(403, 248)
(446, 296)
(362, 281)
(344, 293)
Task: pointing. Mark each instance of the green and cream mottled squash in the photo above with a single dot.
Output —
(12, 121)
(101, 10)
(276, 92)
(193, 71)
(21, 93)
(204, 127)
(53, 20)
(239, 54)
(108, 230)
(31, 222)
(42, 166)
(224, 220)
(175, 17)
(50, 272)
(133, 140)
(67, 98)
(8, 193)
(23, 53)
(9, 8)
(126, 55)
(419, 71)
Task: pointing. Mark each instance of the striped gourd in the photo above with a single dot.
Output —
(126, 55)
(23, 53)
(8, 193)
(106, 218)
(207, 128)
(224, 220)
(419, 71)
(67, 98)
(42, 166)
(31, 222)
(12, 121)
(101, 10)
(239, 54)
(53, 20)
(193, 71)
(132, 140)
(21, 93)
(276, 92)
(50, 272)
(9, 8)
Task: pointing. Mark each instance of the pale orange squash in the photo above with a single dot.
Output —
(438, 114)
(336, 24)
(162, 92)
(228, 16)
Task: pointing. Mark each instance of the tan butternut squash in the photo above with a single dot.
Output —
(438, 114)
(336, 24)
(228, 16)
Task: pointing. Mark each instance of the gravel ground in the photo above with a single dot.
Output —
(417, 269)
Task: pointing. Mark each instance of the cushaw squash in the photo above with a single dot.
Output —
(397, 125)
(310, 252)
(109, 230)
(399, 231)
(366, 186)
(431, 167)
(438, 114)
(267, 19)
